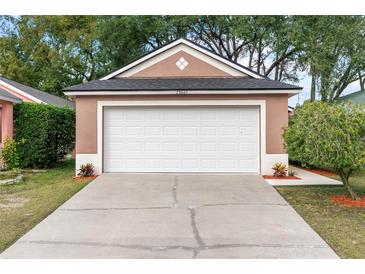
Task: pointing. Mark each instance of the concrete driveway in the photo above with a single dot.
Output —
(173, 216)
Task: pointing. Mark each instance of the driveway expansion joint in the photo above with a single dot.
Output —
(97, 244)
(242, 204)
(195, 250)
(113, 208)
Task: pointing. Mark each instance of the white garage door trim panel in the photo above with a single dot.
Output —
(101, 104)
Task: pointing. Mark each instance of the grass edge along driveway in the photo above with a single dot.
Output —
(343, 228)
(24, 205)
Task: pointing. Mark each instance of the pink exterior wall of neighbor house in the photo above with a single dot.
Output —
(168, 68)
(6, 120)
(86, 116)
(0, 125)
(6, 115)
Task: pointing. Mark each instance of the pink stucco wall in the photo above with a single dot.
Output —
(6, 120)
(86, 116)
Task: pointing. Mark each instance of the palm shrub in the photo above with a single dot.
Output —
(86, 170)
(328, 136)
(280, 169)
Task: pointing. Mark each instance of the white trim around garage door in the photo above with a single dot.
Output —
(102, 104)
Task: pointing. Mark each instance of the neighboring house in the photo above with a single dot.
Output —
(181, 108)
(355, 97)
(12, 92)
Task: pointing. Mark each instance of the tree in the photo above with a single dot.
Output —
(328, 136)
(125, 38)
(50, 52)
(266, 44)
(333, 50)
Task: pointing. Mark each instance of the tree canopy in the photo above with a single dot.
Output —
(328, 136)
(52, 52)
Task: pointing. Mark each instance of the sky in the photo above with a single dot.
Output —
(305, 82)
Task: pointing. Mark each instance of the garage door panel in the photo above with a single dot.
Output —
(181, 139)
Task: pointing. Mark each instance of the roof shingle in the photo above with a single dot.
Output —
(160, 84)
(8, 95)
(41, 95)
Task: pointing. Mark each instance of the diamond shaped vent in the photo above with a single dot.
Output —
(182, 63)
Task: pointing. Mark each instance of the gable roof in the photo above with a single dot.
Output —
(188, 43)
(7, 96)
(357, 97)
(35, 94)
(139, 85)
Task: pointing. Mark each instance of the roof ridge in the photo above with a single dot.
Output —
(182, 77)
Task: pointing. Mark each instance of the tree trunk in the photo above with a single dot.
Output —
(313, 88)
(276, 73)
(281, 71)
(276, 70)
(259, 57)
(362, 83)
(250, 58)
(345, 179)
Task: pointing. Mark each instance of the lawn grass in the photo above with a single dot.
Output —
(343, 228)
(24, 205)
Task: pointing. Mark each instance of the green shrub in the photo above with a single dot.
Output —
(9, 154)
(45, 134)
(328, 136)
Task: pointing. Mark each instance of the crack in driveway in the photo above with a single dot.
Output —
(196, 233)
(174, 193)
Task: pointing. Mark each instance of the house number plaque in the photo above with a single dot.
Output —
(182, 92)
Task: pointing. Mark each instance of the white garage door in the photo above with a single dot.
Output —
(181, 139)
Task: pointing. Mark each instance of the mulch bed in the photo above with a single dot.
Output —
(347, 201)
(80, 178)
(281, 178)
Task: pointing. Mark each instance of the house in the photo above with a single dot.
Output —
(181, 108)
(357, 98)
(12, 92)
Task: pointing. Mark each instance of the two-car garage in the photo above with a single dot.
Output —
(181, 108)
(181, 139)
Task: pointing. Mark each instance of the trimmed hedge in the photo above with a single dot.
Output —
(44, 134)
